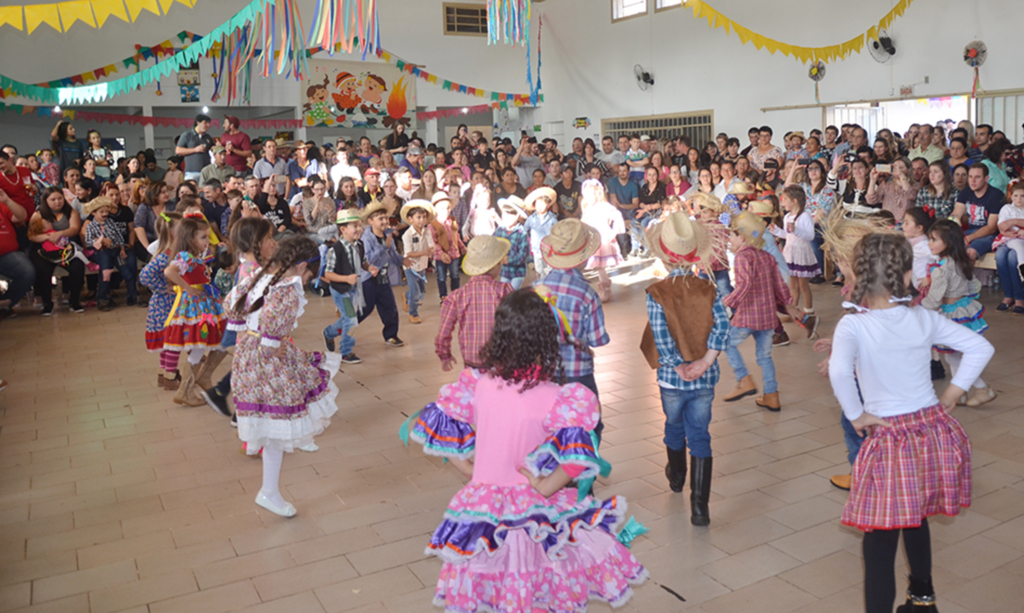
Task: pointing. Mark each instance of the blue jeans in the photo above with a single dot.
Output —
(763, 338)
(853, 440)
(345, 324)
(590, 383)
(982, 245)
(816, 244)
(17, 267)
(722, 283)
(417, 283)
(110, 259)
(1009, 277)
(687, 415)
(447, 270)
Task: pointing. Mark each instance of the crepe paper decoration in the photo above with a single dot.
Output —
(339, 24)
(109, 8)
(508, 19)
(12, 15)
(534, 86)
(702, 10)
(38, 14)
(135, 7)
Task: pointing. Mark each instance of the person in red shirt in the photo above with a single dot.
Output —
(759, 288)
(16, 182)
(237, 143)
(14, 264)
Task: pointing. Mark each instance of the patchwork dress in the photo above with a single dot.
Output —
(948, 282)
(281, 402)
(152, 276)
(506, 548)
(194, 321)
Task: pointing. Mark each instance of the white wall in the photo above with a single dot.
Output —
(588, 61)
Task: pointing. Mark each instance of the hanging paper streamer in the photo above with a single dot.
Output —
(281, 35)
(534, 86)
(339, 24)
(702, 10)
(977, 83)
(508, 19)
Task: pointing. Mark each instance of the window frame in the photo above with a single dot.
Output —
(659, 9)
(646, 11)
(462, 5)
(676, 123)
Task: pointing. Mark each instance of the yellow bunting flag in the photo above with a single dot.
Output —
(11, 15)
(189, 3)
(165, 4)
(109, 8)
(135, 7)
(78, 10)
(36, 14)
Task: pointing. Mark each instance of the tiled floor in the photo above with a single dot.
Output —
(114, 499)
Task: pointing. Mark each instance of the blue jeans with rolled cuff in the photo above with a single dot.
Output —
(687, 415)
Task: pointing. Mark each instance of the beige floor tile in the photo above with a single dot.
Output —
(298, 603)
(745, 534)
(828, 575)
(772, 595)
(818, 541)
(975, 556)
(367, 590)
(72, 604)
(80, 582)
(233, 597)
(169, 585)
(750, 566)
(304, 578)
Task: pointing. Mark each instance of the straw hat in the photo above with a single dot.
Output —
(709, 202)
(741, 187)
(762, 208)
(512, 204)
(484, 253)
(540, 192)
(281, 143)
(798, 134)
(440, 196)
(97, 203)
(570, 243)
(751, 226)
(347, 216)
(417, 204)
(680, 241)
(373, 207)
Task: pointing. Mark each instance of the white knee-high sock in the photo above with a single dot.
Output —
(954, 360)
(272, 460)
(195, 355)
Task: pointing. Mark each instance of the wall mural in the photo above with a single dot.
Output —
(357, 95)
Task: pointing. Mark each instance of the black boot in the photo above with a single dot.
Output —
(920, 598)
(675, 470)
(938, 372)
(700, 490)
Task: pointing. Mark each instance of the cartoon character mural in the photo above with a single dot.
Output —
(316, 108)
(373, 85)
(396, 106)
(346, 99)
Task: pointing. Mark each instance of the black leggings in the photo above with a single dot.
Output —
(880, 560)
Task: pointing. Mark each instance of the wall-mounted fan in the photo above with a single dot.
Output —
(975, 54)
(816, 72)
(644, 79)
(882, 49)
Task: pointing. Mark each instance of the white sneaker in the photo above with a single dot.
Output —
(284, 511)
(310, 448)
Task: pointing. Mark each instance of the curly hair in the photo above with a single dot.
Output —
(881, 262)
(524, 345)
(952, 235)
(290, 252)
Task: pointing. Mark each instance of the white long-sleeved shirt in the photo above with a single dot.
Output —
(890, 351)
(923, 258)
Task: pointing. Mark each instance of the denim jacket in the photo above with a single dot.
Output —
(380, 256)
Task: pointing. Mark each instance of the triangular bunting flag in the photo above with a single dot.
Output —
(36, 14)
(135, 7)
(188, 3)
(78, 10)
(11, 15)
(108, 8)
(165, 4)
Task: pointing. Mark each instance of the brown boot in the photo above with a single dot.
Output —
(188, 394)
(842, 481)
(172, 384)
(204, 380)
(160, 381)
(769, 401)
(745, 387)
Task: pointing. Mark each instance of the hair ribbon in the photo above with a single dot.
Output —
(165, 217)
(564, 327)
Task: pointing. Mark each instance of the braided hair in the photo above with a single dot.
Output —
(290, 252)
(880, 263)
(248, 233)
(524, 348)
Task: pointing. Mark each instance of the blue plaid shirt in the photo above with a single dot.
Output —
(668, 354)
(582, 306)
(517, 253)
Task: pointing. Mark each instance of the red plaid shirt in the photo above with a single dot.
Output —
(759, 288)
(472, 306)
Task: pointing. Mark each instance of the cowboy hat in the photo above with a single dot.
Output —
(373, 207)
(417, 204)
(751, 227)
(484, 253)
(741, 187)
(440, 196)
(680, 241)
(763, 208)
(512, 204)
(281, 143)
(540, 192)
(347, 216)
(570, 243)
(709, 202)
(97, 203)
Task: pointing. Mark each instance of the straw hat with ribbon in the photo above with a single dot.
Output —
(417, 204)
(741, 187)
(541, 192)
(681, 242)
(348, 216)
(762, 208)
(373, 207)
(484, 253)
(570, 243)
(750, 226)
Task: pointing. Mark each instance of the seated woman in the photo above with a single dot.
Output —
(53, 229)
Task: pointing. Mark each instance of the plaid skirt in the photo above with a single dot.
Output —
(918, 467)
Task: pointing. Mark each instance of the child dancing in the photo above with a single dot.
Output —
(798, 231)
(152, 276)
(516, 538)
(284, 396)
(916, 460)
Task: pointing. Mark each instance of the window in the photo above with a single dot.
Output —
(465, 19)
(699, 126)
(624, 9)
(668, 4)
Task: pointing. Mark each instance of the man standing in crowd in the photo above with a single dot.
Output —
(527, 159)
(193, 147)
(236, 143)
(272, 165)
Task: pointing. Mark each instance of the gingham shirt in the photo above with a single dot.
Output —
(943, 207)
(668, 353)
(759, 288)
(582, 306)
(472, 306)
(517, 253)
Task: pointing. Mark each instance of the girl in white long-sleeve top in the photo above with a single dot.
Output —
(798, 231)
(916, 460)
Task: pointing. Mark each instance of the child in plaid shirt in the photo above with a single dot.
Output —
(109, 241)
(759, 289)
(448, 245)
(512, 230)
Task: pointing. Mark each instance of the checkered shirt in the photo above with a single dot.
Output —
(582, 306)
(759, 288)
(472, 306)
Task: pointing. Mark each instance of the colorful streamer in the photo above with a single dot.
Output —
(508, 20)
(702, 10)
(94, 13)
(143, 120)
(340, 24)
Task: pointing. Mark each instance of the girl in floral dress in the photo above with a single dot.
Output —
(600, 215)
(152, 276)
(284, 396)
(516, 539)
(196, 321)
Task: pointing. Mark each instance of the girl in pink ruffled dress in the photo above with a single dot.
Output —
(516, 538)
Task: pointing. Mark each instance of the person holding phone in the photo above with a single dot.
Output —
(893, 186)
(193, 147)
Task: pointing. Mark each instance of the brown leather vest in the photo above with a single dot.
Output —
(688, 302)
